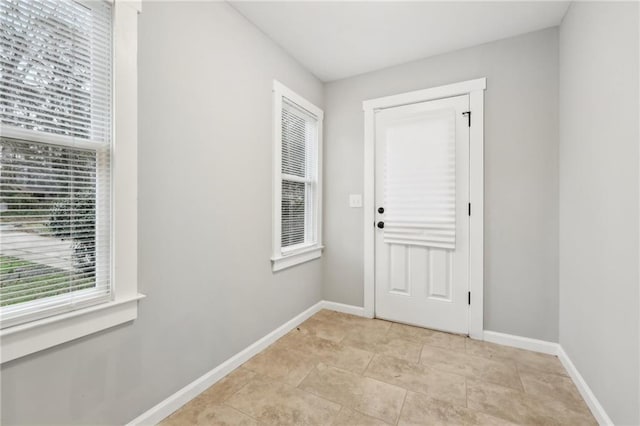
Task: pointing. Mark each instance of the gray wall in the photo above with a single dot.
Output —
(599, 300)
(521, 175)
(205, 80)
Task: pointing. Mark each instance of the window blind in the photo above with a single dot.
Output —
(55, 157)
(299, 175)
(420, 181)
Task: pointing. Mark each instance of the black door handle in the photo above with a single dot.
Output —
(380, 225)
(380, 210)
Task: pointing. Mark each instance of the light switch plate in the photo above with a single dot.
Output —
(355, 200)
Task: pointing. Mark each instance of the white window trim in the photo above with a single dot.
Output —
(291, 256)
(31, 337)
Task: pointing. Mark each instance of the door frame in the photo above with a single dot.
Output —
(475, 89)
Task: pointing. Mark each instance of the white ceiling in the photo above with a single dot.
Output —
(335, 40)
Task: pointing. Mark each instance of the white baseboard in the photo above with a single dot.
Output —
(553, 348)
(341, 307)
(160, 411)
(594, 405)
(527, 343)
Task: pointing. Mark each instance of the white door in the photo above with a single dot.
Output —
(422, 214)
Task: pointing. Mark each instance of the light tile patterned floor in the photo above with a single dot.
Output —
(338, 369)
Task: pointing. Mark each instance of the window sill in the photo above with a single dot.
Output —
(35, 336)
(288, 260)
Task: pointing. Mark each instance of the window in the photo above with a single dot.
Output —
(57, 134)
(297, 182)
(55, 169)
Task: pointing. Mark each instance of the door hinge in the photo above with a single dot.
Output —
(468, 114)
(469, 209)
(469, 298)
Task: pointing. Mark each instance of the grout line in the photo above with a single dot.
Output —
(386, 333)
(420, 356)
(406, 392)
(466, 392)
(524, 390)
(241, 387)
(343, 338)
(239, 411)
(373, 354)
(317, 395)
(312, 392)
(307, 375)
(224, 401)
(368, 415)
(473, 376)
(428, 395)
(377, 379)
(333, 422)
(466, 345)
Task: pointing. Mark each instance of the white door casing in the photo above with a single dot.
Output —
(459, 316)
(422, 193)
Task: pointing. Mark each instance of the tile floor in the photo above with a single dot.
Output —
(338, 369)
